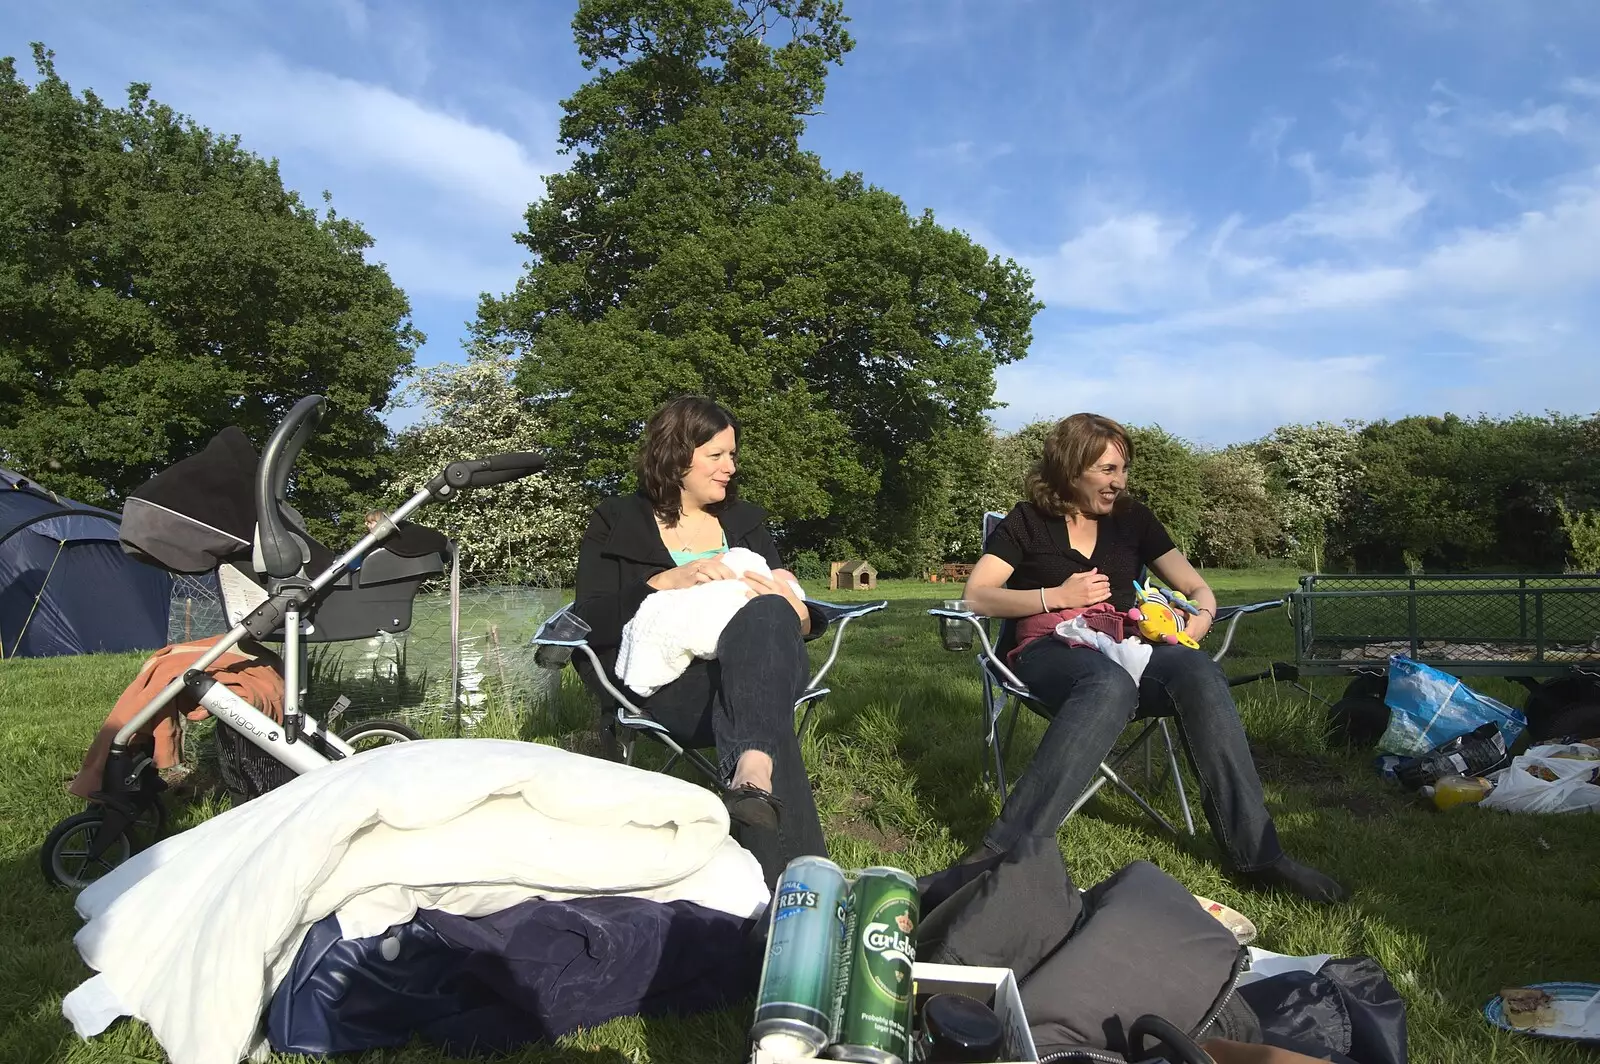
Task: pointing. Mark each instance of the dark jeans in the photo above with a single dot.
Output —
(1091, 699)
(744, 700)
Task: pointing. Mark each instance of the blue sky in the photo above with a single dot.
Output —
(1238, 214)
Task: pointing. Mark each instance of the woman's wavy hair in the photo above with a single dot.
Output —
(1074, 445)
(667, 450)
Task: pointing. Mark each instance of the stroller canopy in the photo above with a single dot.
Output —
(198, 513)
(65, 587)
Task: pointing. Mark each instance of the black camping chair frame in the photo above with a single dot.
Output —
(564, 633)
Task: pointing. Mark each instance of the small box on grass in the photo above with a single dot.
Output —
(994, 987)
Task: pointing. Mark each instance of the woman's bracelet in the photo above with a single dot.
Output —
(1044, 607)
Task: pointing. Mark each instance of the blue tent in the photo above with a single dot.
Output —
(66, 587)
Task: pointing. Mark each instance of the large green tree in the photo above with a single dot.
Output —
(1165, 474)
(692, 246)
(1459, 494)
(1239, 522)
(158, 282)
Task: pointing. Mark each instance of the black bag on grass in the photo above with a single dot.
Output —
(1091, 965)
(1088, 964)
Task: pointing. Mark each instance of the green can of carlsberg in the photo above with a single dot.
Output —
(805, 951)
(874, 1023)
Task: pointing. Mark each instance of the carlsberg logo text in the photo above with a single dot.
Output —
(889, 942)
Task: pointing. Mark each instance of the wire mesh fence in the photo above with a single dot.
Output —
(413, 676)
(1462, 620)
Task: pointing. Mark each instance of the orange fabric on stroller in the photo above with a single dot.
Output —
(254, 677)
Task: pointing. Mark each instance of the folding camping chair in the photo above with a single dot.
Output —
(564, 632)
(1002, 688)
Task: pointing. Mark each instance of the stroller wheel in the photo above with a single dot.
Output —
(64, 857)
(371, 734)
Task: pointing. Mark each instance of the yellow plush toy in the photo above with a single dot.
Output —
(1156, 613)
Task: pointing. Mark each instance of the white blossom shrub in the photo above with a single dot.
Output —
(526, 531)
(1316, 468)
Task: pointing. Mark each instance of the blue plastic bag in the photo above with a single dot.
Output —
(1428, 708)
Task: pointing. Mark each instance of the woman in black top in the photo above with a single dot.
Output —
(671, 534)
(1078, 541)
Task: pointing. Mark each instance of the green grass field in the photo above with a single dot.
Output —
(1455, 906)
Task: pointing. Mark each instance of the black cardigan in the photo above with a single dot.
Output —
(622, 550)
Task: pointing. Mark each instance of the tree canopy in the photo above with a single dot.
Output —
(158, 282)
(693, 247)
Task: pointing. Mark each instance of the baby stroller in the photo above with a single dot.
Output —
(223, 510)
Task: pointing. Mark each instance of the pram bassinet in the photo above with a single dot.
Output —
(201, 514)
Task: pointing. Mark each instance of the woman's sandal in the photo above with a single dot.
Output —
(750, 805)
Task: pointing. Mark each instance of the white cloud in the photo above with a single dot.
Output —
(1539, 255)
(966, 152)
(1549, 119)
(370, 127)
(1586, 87)
(433, 268)
(1119, 265)
(440, 192)
(1373, 146)
(1344, 63)
(1211, 395)
(1140, 261)
(1229, 331)
(1376, 206)
(355, 15)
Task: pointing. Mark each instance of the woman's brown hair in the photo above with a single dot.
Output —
(667, 451)
(1075, 444)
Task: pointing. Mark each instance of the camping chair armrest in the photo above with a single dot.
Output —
(837, 615)
(977, 620)
(1232, 615)
(562, 634)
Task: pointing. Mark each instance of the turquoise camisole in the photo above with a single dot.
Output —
(684, 557)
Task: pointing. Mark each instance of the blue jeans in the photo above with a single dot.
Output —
(743, 699)
(1090, 699)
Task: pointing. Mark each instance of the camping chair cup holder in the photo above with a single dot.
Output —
(954, 626)
(564, 633)
(961, 627)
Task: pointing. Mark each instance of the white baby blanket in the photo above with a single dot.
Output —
(672, 628)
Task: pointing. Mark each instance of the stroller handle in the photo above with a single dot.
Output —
(484, 472)
(280, 550)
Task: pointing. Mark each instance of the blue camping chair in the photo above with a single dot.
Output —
(1002, 690)
(564, 633)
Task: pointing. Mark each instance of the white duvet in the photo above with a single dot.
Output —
(193, 935)
(672, 628)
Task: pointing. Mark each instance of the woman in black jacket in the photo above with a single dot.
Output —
(671, 534)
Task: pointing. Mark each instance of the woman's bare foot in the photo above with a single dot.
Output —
(753, 768)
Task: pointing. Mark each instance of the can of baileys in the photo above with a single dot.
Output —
(805, 947)
(874, 1025)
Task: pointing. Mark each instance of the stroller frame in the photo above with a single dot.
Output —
(130, 784)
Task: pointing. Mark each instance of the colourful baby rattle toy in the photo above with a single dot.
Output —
(1157, 613)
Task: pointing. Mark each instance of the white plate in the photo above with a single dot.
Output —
(1577, 1008)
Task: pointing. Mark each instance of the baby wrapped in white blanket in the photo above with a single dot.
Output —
(672, 628)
